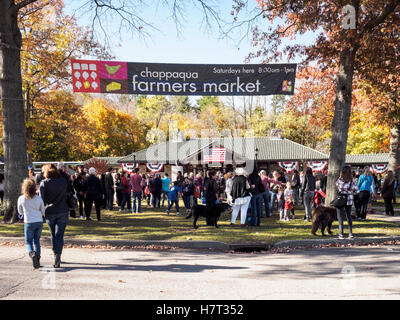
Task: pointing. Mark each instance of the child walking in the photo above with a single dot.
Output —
(281, 202)
(173, 197)
(31, 206)
(288, 195)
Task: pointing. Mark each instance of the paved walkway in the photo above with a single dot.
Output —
(380, 215)
(327, 273)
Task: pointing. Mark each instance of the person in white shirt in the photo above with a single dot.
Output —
(31, 206)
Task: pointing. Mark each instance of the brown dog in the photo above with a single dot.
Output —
(323, 217)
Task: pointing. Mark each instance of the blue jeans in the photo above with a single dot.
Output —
(256, 209)
(57, 224)
(308, 199)
(138, 207)
(176, 205)
(265, 198)
(164, 196)
(341, 212)
(186, 201)
(272, 201)
(126, 199)
(32, 236)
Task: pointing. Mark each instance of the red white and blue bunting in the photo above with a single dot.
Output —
(288, 166)
(155, 167)
(129, 167)
(379, 168)
(317, 166)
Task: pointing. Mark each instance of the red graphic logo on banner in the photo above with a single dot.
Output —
(85, 76)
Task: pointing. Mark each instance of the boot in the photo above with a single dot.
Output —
(35, 260)
(57, 260)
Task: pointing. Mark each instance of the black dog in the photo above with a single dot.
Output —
(323, 217)
(212, 214)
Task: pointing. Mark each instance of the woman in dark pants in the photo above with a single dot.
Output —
(388, 192)
(94, 192)
(53, 190)
(80, 191)
(366, 186)
(346, 185)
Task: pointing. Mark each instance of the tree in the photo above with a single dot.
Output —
(56, 127)
(207, 101)
(334, 46)
(14, 131)
(181, 103)
(278, 104)
(109, 132)
(50, 38)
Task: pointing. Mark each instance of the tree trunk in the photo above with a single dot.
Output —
(394, 153)
(341, 120)
(14, 139)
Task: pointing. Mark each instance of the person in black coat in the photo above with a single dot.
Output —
(80, 190)
(307, 193)
(257, 189)
(109, 188)
(211, 189)
(156, 189)
(93, 193)
(64, 173)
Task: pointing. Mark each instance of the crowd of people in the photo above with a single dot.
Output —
(55, 195)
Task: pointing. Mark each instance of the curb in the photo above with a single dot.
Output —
(327, 242)
(213, 245)
(182, 244)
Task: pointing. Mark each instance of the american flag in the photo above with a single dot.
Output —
(214, 155)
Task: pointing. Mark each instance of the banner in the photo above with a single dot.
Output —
(379, 168)
(183, 79)
(129, 167)
(288, 166)
(317, 166)
(155, 167)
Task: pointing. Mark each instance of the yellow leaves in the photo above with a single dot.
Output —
(113, 133)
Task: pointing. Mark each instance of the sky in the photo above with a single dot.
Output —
(194, 43)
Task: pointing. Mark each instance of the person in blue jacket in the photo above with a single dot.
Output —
(366, 186)
(173, 197)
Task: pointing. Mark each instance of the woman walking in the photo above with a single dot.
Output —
(346, 186)
(388, 192)
(31, 206)
(53, 190)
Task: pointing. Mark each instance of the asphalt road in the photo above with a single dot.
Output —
(330, 273)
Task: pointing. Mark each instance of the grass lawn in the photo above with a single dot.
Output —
(155, 224)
